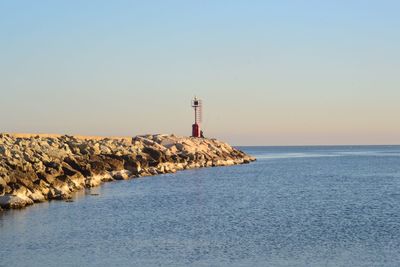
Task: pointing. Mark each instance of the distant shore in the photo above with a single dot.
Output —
(40, 167)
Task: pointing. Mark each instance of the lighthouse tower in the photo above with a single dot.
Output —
(196, 104)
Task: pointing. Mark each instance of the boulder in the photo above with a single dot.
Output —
(79, 163)
(113, 163)
(37, 196)
(14, 202)
(93, 181)
(154, 154)
(97, 166)
(134, 164)
(121, 175)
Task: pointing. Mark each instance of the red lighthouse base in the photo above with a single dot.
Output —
(196, 130)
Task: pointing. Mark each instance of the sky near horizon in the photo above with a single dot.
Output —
(269, 72)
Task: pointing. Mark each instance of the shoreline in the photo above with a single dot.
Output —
(36, 168)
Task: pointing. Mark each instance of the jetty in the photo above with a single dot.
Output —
(37, 168)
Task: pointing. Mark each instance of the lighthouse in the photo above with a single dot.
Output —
(196, 104)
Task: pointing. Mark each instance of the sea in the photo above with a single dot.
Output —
(294, 206)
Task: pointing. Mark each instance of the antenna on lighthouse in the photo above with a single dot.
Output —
(197, 105)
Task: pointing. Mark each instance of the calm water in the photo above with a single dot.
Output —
(296, 206)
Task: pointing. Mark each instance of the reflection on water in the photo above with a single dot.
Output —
(295, 206)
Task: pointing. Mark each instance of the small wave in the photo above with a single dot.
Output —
(369, 153)
(295, 155)
(332, 154)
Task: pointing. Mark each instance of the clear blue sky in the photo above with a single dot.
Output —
(269, 72)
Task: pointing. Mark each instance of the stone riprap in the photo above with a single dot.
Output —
(39, 168)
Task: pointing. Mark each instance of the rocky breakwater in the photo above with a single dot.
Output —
(39, 168)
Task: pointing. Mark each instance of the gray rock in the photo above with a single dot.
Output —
(14, 202)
